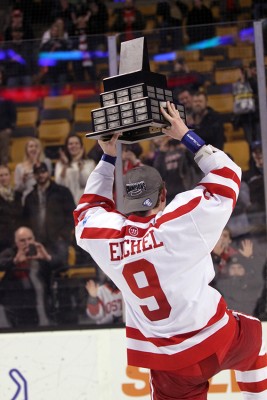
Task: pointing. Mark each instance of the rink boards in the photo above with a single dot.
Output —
(78, 365)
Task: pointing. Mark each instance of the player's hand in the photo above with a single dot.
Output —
(178, 128)
(109, 147)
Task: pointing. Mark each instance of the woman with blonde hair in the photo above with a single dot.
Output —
(23, 176)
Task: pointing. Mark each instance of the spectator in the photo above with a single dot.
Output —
(8, 118)
(174, 165)
(98, 19)
(20, 61)
(151, 154)
(128, 19)
(23, 175)
(254, 179)
(104, 305)
(62, 34)
(225, 249)
(83, 69)
(229, 10)
(207, 122)
(95, 153)
(242, 285)
(18, 22)
(25, 288)
(10, 208)
(239, 222)
(199, 23)
(168, 17)
(48, 212)
(73, 167)
(183, 78)
(253, 81)
(259, 9)
(245, 115)
(131, 156)
(55, 74)
(65, 10)
(4, 13)
(185, 97)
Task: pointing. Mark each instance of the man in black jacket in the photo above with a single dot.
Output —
(25, 289)
(207, 123)
(48, 211)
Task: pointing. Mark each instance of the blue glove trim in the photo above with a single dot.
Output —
(192, 141)
(108, 158)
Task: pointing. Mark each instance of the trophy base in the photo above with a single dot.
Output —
(135, 134)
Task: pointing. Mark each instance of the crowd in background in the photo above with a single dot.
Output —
(37, 198)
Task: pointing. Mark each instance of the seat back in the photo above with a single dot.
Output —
(64, 101)
(239, 150)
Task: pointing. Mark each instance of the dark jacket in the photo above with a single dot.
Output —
(10, 219)
(8, 114)
(59, 208)
(211, 129)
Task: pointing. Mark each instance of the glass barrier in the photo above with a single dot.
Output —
(48, 89)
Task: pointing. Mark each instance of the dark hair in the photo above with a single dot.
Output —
(66, 151)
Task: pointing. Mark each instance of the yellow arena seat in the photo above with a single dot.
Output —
(64, 101)
(239, 150)
(53, 132)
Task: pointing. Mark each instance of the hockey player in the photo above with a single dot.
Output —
(177, 325)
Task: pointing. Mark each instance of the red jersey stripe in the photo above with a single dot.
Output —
(260, 363)
(227, 173)
(253, 387)
(159, 342)
(221, 190)
(92, 200)
(184, 209)
(110, 233)
(199, 351)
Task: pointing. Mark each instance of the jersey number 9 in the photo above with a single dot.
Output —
(153, 288)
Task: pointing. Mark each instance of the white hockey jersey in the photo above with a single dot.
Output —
(162, 264)
(108, 308)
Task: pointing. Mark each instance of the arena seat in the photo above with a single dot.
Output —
(239, 150)
(82, 117)
(188, 55)
(201, 66)
(54, 132)
(55, 113)
(241, 52)
(226, 30)
(17, 150)
(27, 116)
(64, 101)
(227, 75)
(232, 134)
(222, 103)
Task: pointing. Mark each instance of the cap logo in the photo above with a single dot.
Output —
(147, 203)
(135, 189)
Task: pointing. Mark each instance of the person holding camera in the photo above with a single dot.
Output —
(24, 289)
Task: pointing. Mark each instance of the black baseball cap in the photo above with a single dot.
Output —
(141, 189)
(41, 167)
